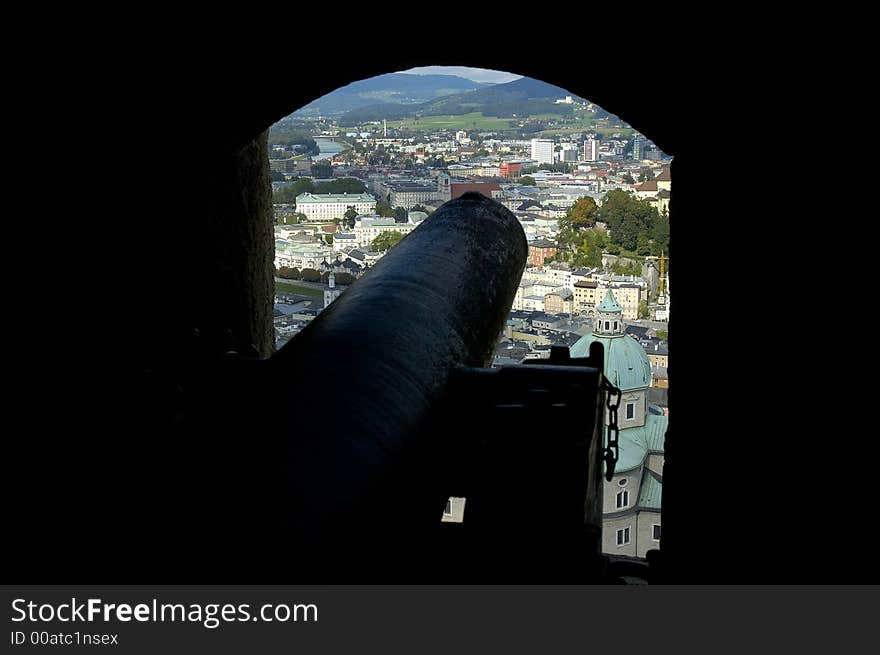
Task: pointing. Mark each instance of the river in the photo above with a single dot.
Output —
(327, 147)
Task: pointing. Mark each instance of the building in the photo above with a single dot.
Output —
(568, 153)
(510, 169)
(558, 301)
(646, 189)
(530, 295)
(638, 147)
(542, 151)
(344, 240)
(656, 191)
(332, 206)
(629, 289)
(282, 165)
(539, 250)
(332, 292)
(368, 228)
(663, 200)
(488, 189)
(664, 180)
(291, 165)
(444, 186)
(631, 524)
(585, 297)
(410, 194)
(658, 355)
(591, 150)
(292, 254)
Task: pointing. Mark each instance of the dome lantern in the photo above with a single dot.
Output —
(609, 317)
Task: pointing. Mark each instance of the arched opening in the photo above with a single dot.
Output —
(351, 177)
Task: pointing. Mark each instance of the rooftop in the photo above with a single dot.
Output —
(307, 198)
(636, 443)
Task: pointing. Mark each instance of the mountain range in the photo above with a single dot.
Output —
(392, 88)
(523, 97)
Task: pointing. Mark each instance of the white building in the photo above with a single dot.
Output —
(291, 254)
(542, 151)
(331, 206)
(368, 228)
(343, 240)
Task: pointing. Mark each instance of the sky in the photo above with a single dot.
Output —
(475, 74)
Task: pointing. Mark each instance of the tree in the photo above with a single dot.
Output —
(288, 193)
(660, 234)
(276, 176)
(400, 214)
(626, 177)
(322, 170)
(310, 275)
(288, 273)
(349, 217)
(419, 208)
(341, 185)
(386, 241)
(329, 239)
(283, 272)
(643, 309)
(589, 254)
(293, 219)
(628, 218)
(527, 180)
(384, 209)
(581, 214)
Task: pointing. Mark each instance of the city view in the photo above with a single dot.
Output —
(356, 171)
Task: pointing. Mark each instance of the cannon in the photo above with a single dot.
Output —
(384, 409)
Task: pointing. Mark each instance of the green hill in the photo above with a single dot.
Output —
(389, 89)
(523, 97)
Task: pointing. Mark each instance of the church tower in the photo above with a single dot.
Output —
(331, 293)
(444, 187)
(609, 317)
(631, 521)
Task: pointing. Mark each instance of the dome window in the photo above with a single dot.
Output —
(622, 483)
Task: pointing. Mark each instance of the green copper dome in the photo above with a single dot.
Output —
(609, 303)
(626, 364)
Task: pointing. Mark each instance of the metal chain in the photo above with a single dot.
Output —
(611, 452)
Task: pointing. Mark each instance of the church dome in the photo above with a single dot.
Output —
(626, 364)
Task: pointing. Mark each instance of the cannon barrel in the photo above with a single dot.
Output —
(360, 380)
